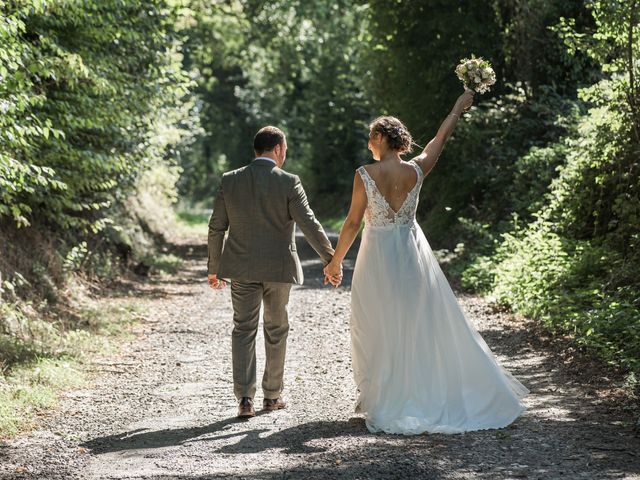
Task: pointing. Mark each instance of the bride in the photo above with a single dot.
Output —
(419, 364)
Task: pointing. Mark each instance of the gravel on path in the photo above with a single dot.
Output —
(164, 409)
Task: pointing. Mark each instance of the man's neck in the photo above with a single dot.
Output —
(267, 157)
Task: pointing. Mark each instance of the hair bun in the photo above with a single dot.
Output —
(397, 135)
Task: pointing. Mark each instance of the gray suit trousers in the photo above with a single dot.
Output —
(247, 298)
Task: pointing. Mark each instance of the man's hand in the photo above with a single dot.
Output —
(215, 282)
(333, 274)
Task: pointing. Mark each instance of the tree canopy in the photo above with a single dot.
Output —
(535, 200)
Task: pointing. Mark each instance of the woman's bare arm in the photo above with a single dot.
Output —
(351, 225)
(429, 156)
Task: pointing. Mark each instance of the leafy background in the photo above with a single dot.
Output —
(115, 114)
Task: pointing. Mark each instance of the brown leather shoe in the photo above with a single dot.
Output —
(271, 404)
(245, 409)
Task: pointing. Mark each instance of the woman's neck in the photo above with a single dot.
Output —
(390, 156)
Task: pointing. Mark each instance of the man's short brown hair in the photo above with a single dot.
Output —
(267, 138)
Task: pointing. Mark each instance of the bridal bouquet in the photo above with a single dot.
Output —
(476, 74)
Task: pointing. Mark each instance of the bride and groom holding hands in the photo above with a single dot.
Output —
(419, 364)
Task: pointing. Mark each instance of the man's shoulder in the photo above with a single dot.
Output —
(232, 173)
(288, 180)
(283, 176)
(230, 177)
(287, 176)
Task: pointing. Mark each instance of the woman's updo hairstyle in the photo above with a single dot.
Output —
(398, 137)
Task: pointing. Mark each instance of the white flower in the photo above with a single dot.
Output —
(476, 74)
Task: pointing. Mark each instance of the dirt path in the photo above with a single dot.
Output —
(164, 409)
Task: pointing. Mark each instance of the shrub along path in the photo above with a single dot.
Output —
(163, 408)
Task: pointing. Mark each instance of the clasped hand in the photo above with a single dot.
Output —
(333, 274)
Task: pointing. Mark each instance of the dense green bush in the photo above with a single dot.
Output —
(576, 265)
(499, 163)
(573, 286)
(91, 93)
(536, 196)
(95, 109)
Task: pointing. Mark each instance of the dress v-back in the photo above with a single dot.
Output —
(419, 364)
(379, 212)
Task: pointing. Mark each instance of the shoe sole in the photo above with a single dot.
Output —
(246, 415)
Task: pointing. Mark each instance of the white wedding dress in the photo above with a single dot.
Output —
(419, 364)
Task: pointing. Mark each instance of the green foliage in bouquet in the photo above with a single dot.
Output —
(476, 74)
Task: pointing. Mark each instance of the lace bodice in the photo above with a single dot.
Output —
(379, 213)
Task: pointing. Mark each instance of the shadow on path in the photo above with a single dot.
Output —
(292, 440)
(518, 445)
(570, 423)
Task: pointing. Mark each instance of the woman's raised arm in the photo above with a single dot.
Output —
(429, 156)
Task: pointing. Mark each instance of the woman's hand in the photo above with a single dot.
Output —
(465, 100)
(333, 273)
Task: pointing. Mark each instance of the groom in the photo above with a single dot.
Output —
(259, 205)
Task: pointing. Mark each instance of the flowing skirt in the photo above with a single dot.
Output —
(419, 364)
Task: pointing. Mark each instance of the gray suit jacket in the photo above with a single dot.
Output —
(259, 205)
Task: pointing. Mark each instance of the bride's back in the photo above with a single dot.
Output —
(395, 180)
